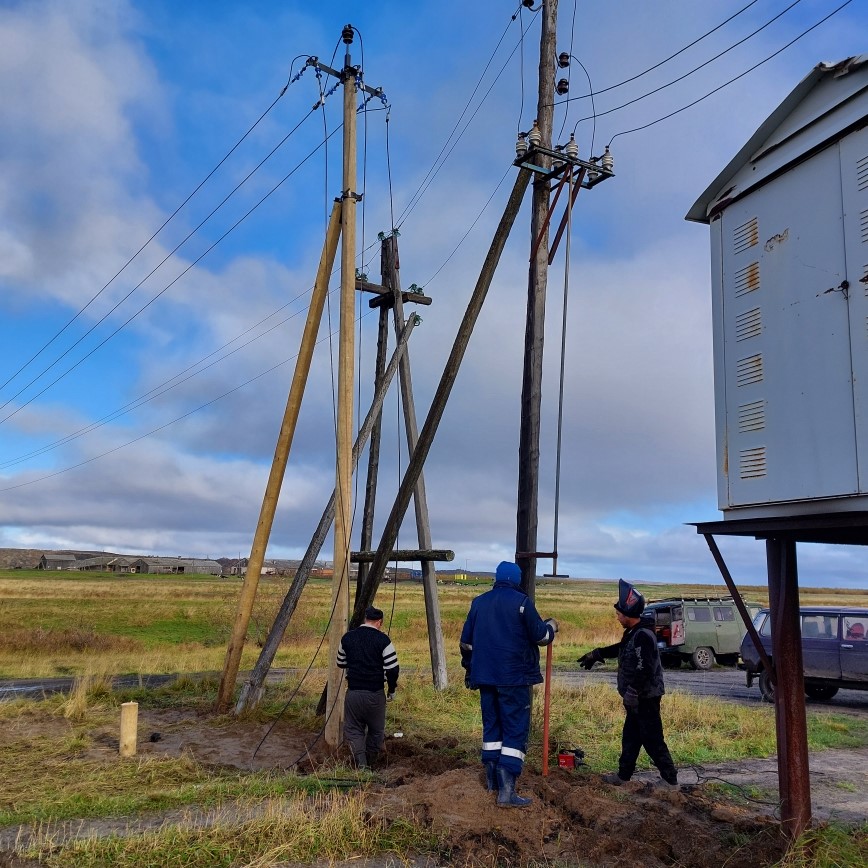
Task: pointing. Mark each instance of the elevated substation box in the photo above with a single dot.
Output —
(789, 254)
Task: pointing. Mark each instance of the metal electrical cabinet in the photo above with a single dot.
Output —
(789, 240)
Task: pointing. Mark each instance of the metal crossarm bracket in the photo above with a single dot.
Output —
(594, 174)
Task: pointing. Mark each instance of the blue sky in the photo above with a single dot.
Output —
(114, 112)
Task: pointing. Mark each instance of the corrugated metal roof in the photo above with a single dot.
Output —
(751, 151)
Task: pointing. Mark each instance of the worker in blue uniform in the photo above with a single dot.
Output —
(500, 653)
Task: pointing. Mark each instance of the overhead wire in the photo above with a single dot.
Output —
(434, 174)
(734, 79)
(569, 70)
(665, 59)
(422, 186)
(694, 70)
(160, 229)
(144, 307)
(150, 273)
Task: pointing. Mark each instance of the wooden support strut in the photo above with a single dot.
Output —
(366, 557)
(441, 396)
(278, 464)
(252, 688)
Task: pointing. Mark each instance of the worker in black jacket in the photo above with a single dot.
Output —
(640, 683)
(369, 658)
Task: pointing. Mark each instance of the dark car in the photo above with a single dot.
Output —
(834, 651)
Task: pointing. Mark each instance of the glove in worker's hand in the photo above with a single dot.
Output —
(390, 697)
(631, 699)
(552, 623)
(588, 660)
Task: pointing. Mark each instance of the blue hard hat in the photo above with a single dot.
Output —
(507, 571)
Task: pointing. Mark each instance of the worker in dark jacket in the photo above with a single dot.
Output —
(500, 653)
(640, 683)
(369, 658)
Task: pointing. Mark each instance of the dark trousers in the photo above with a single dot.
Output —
(505, 725)
(643, 728)
(365, 723)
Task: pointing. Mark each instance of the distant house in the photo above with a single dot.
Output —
(176, 566)
(57, 561)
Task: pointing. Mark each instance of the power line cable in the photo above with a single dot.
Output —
(123, 268)
(692, 71)
(736, 78)
(569, 70)
(153, 270)
(665, 60)
(420, 191)
(165, 289)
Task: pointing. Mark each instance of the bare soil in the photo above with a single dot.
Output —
(575, 819)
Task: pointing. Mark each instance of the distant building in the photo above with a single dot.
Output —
(57, 561)
(176, 566)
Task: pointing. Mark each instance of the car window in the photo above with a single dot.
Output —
(856, 628)
(695, 614)
(819, 627)
(723, 613)
(766, 629)
(758, 619)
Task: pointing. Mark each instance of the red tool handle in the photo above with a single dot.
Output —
(546, 705)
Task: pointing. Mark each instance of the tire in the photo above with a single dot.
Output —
(820, 691)
(702, 658)
(767, 689)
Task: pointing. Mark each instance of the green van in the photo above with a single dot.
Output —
(699, 630)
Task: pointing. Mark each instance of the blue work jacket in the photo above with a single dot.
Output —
(501, 638)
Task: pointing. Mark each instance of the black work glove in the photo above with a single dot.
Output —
(631, 699)
(468, 683)
(588, 660)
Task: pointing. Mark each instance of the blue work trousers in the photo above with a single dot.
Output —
(505, 725)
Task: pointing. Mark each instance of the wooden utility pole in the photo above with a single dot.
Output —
(278, 465)
(423, 527)
(441, 396)
(531, 388)
(344, 434)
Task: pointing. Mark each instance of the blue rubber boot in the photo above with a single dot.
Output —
(506, 795)
(490, 775)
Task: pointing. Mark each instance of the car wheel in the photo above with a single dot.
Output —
(767, 689)
(820, 691)
(702, 658)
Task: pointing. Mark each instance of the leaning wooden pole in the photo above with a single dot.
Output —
(441, 396)
(439, 673)
(278, 464)
(344, 434)
(252, 688)
(531, 389)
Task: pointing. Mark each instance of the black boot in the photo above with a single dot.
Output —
(506, 795)
(490, 775)
(361, 760)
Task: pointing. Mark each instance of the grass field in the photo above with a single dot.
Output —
(98, 626)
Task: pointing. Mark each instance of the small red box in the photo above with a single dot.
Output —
(567, 760)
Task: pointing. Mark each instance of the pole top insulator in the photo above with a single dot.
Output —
(347, 34)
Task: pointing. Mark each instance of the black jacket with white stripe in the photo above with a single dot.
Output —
(370, 658)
